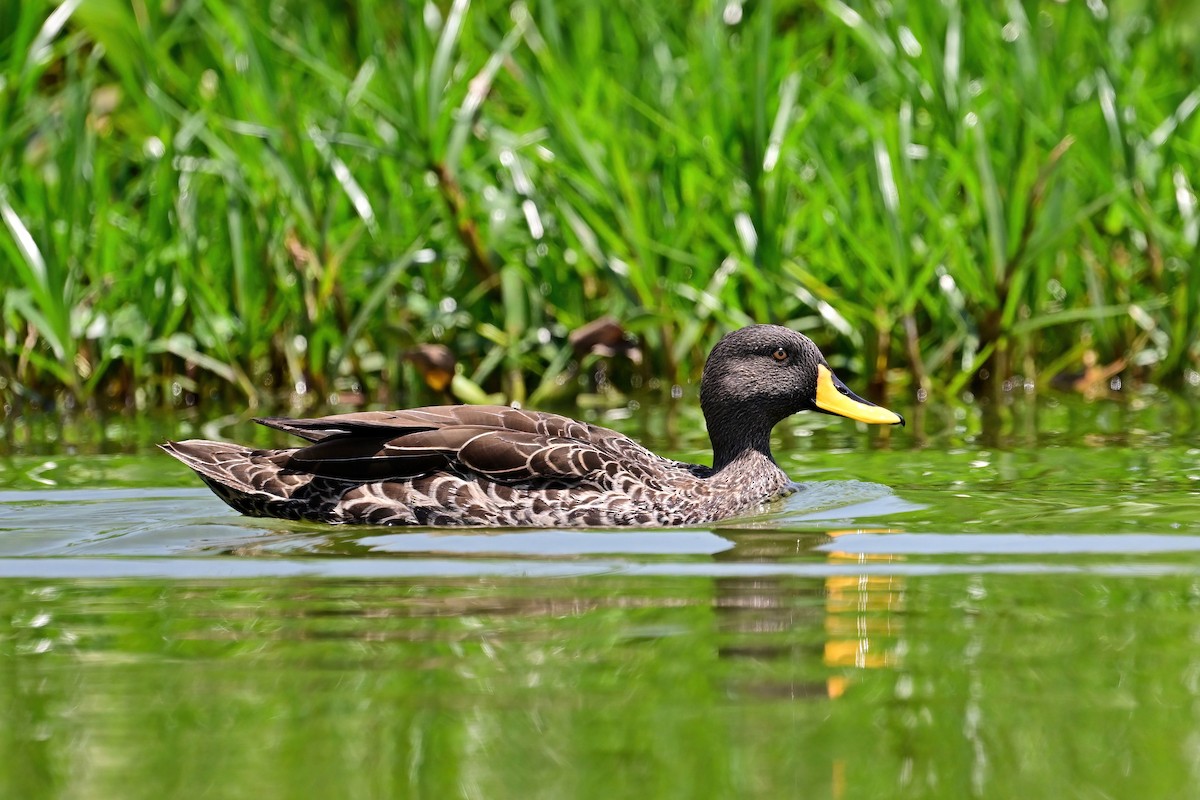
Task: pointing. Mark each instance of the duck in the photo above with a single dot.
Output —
(501, 466)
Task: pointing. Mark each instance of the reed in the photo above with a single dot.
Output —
(205, 198)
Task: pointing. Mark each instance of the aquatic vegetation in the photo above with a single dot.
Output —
(210, 198)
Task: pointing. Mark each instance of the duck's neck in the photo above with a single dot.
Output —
(747, 472)
(735, 442)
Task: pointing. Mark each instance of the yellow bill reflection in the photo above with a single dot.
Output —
(862, 619)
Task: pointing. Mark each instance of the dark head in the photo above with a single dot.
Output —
(759, 375)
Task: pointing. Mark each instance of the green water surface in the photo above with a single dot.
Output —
(999, 605)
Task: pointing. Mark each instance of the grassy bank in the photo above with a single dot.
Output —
(201, 198)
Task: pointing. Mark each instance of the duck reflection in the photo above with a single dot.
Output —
(808, 634)
(831, 628)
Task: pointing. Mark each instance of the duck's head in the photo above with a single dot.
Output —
(761, 374)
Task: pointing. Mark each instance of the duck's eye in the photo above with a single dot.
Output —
(780, 354)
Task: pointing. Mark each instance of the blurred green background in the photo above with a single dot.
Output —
(221, 199)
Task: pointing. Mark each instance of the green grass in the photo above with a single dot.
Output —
(210, 197)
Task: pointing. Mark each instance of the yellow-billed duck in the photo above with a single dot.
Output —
(497, 466)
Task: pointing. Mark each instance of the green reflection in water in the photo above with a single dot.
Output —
(947, 686)
(1032, 631)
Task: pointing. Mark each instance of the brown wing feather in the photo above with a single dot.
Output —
(365, 459)
(503, 444)
(371, 423)
(518, 457)
(358, 456)
(432, 418)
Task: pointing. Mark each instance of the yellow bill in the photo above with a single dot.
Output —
(834, 398)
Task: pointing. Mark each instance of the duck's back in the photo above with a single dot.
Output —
(457, 465)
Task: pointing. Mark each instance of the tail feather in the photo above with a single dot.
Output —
(253, 482)
(232, 465)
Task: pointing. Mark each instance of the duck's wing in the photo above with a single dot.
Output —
(384, 423)
(372, 423)
(498, 443)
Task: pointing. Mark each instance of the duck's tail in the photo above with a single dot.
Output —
(253, 482)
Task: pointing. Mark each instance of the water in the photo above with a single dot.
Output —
(995, 608)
